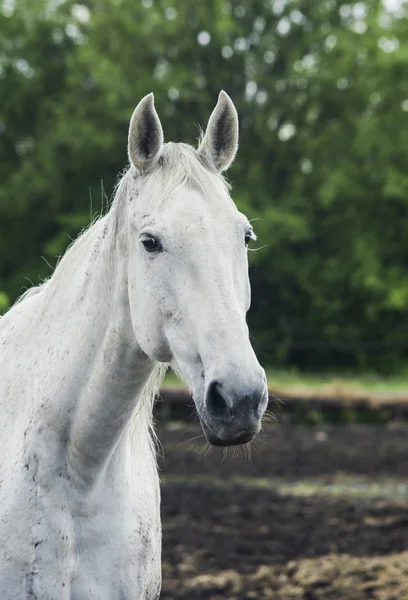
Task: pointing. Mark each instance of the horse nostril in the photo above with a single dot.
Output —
(217, 405)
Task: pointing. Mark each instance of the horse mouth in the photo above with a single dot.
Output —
(236, 438)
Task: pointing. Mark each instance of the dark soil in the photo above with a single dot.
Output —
(229, 540)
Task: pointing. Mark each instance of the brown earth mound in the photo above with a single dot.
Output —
(222, 540)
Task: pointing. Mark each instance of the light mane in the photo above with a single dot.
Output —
(182, 165)
(40, 287)
(32, 291)
(143, 413)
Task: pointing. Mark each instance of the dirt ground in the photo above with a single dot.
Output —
(313, 514)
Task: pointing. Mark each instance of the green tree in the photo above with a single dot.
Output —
(323, 102)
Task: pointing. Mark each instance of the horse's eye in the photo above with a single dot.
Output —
(150, 243)
(250, 235)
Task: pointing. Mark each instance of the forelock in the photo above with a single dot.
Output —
(179, 165)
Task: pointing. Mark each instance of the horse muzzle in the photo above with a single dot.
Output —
(233, 417)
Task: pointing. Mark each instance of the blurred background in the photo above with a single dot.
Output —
(318, 510)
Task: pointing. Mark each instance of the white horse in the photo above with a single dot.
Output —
(161, 279)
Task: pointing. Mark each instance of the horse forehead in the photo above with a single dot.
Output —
(191, 208)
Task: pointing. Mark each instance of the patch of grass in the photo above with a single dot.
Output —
(335, 385)
(172, 381)
(329, 385)
(343, 486)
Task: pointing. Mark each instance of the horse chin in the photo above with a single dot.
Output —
(234, 439)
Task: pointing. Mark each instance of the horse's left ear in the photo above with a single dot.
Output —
(220, 142)
(145, 135)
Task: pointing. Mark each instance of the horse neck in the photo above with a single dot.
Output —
(88, 290)
(87, 303)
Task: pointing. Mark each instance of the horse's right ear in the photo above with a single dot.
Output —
(145, 135)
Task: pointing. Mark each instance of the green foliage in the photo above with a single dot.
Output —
(4, 301)
(322, 95)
